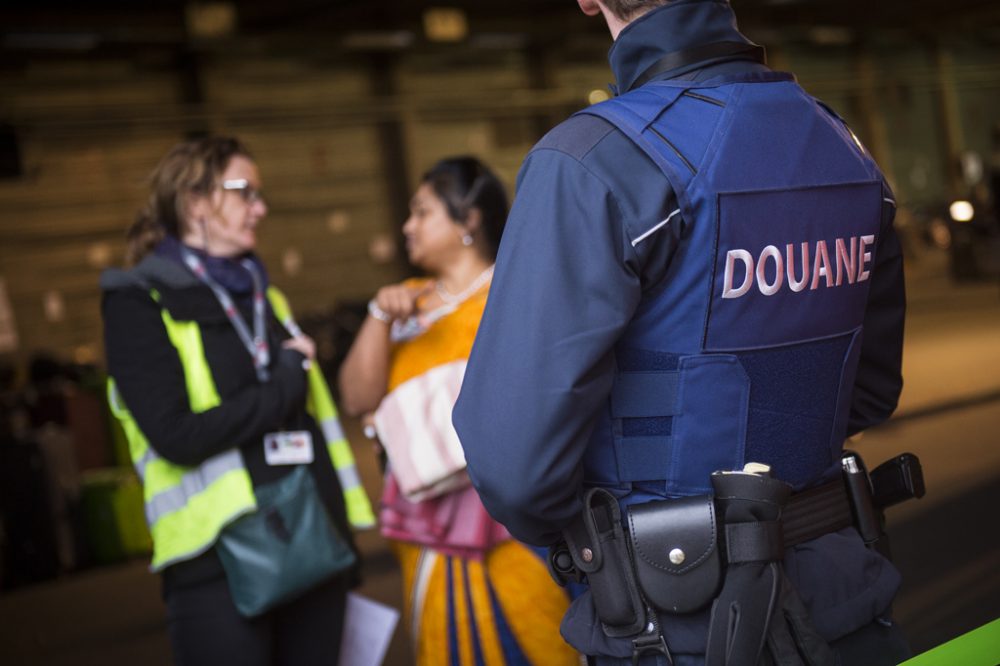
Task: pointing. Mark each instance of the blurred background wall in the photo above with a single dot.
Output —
(345, 103)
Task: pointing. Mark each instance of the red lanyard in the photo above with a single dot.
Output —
(256, 343)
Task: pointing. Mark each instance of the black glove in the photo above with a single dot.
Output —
(758, 618)
(791, 638)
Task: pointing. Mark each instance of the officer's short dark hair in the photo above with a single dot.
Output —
(464, 183)
(627, 10)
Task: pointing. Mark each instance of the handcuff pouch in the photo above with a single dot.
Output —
(675, 544)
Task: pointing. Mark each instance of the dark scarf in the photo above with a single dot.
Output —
(226, 271)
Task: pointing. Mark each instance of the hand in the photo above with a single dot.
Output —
(302, 344)
(399, 301)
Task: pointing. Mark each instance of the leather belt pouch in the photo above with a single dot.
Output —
(675, 544)
(599, 548)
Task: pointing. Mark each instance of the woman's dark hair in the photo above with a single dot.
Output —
(626, 10)
(192, 168)
(464, 183)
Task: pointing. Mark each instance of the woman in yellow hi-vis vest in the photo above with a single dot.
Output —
(213, 383)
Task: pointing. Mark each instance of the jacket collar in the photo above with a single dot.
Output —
(676, 26)
(153, 270)
(180, 292)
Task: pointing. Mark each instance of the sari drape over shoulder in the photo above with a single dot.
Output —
(473, 594)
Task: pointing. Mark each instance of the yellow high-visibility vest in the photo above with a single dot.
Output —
(187, 507)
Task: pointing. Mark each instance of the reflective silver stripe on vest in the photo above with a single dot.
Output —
(116, 399)
(349, 477)
(192, 483)
(333, 432)
(141, 464)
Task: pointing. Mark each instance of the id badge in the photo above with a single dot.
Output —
(289, 447)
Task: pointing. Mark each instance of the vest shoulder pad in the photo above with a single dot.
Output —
(576, 135)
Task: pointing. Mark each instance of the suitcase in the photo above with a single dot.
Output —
(114, 515)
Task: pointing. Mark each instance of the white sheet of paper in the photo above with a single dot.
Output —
(368, 628)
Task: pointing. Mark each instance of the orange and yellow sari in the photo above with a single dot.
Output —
(501, 608)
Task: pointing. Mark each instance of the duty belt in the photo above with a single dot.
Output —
(812, 513)
(857, 499)
(675, 552)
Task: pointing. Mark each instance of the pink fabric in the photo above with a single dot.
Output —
(414, 425)
(454, 524)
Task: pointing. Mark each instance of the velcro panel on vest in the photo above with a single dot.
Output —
(710, 434)
(639, 394)
(790, 423)
(642, 396)
(700, 410)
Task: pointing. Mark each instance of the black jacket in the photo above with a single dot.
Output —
(148, 374)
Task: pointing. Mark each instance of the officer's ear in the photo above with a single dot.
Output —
(589, 7)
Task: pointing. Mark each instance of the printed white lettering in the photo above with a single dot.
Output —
(793, 284)
(727, 286)
(845, 262)
(821, 265)
(865, 256)
(770, 252)
(802, 264)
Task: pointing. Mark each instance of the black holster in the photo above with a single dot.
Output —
(680, 555)
(750, 612)
(596, 542)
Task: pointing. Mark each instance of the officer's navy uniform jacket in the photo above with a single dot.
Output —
(699, 273)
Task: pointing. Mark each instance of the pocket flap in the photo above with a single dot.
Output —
(675, 544)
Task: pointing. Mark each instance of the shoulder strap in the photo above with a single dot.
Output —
(639, 116)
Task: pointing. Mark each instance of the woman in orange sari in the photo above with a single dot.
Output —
(473, 595)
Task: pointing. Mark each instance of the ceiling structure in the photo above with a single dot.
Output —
(101, 27)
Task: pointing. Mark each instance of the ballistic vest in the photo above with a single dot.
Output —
(187, 507)
(749, 350)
